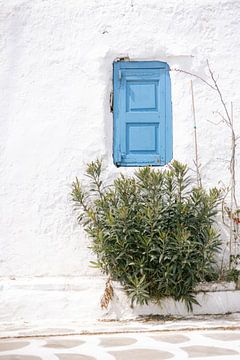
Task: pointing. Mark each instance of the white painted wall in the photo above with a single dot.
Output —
(55, 78)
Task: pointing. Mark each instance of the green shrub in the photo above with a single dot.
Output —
(152, 232)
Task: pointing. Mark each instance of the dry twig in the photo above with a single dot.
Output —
(107, 295)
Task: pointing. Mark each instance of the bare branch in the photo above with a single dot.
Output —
(228, 119)
(215, 123)
(222, 117)
(196, 162)
(216, 87)
(223, 160)
(194, 75)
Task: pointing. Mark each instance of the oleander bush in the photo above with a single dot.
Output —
(153, 232)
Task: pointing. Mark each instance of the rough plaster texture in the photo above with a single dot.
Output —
(55, 78)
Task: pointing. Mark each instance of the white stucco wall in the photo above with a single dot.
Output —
(55, 78)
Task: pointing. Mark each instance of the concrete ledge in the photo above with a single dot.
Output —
(78, 299)
(216, 286)
(214, 298)
(158, 324)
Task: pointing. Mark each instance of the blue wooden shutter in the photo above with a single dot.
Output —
(142, 113)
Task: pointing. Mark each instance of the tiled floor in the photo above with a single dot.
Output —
(211, 344)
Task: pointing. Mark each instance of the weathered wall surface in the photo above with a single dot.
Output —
(55, 78)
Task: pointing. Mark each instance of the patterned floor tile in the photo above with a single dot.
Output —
(74, 357)
(224, 336)
(11, 345)
(172, 339)
(63, 344)
(141, 354)
(19, 357)
(207, 351)
(156, 346)
(116, 341)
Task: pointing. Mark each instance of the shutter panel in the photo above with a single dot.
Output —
(140, 113)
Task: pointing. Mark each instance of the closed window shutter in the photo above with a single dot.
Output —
(142, 114)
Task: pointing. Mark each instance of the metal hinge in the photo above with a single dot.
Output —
(123, 58)
(111, 101)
